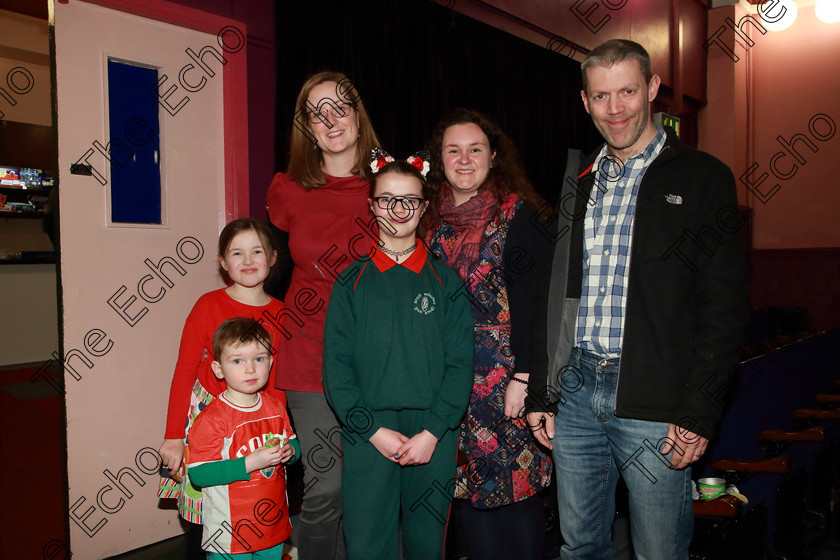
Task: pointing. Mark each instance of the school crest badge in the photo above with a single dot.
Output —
(424, 303)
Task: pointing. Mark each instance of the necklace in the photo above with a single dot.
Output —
(398, 254)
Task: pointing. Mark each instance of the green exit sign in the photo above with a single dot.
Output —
(668, 120)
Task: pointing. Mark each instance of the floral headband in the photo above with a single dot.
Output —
(379, 158)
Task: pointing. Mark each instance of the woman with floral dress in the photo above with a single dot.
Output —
(483, 222)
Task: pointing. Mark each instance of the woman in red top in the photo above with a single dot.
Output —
(320, 207)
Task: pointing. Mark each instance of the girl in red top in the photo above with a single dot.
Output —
(320, 206)
(246, 254)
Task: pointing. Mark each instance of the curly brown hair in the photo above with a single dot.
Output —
(506, 176)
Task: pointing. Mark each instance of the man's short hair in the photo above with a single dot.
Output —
(238, 331)
(616, 50)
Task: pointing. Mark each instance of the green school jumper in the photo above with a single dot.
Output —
(398, 353)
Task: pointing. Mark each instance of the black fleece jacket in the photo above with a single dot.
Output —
(687, 294)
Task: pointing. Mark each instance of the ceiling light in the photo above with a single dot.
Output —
(828, 11)
(777, 15)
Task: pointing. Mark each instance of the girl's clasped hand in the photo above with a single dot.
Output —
(405, 451)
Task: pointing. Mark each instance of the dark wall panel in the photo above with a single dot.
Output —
(26, 145)
(413, 60)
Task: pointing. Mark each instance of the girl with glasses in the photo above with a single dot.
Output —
(398, 367)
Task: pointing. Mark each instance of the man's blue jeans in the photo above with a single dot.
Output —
(592, 448)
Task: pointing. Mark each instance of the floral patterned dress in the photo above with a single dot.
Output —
(188, 496)
(505, 465)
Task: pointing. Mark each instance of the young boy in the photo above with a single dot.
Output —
(236, 449)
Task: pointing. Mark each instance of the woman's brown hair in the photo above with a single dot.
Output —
(305, 157)
(507, 175)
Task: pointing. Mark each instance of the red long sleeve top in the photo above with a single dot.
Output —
(207, 314)
(329, 228)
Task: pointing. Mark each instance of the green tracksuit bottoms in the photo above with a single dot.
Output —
(377, 493)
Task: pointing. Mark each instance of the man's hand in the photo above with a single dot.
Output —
(171, 454)
(388, 443)
(418, 450)
(688, 446)
(542, 426)
(515, 396)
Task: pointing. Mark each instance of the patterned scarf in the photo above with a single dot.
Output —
(469, 220)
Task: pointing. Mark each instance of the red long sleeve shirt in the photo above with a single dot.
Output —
(329, 228)
(207, 314)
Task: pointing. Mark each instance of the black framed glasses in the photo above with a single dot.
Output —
(405, 202)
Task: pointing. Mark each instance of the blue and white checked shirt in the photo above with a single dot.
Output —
(607, 239)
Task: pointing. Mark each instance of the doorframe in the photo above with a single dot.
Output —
(234, 89)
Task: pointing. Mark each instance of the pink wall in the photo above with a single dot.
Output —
(723, 122)
(258, 16)
(775, 89)
(789, 219)
(808, 278)
(794, 79)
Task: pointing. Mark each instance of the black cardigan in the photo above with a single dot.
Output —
(525, 249)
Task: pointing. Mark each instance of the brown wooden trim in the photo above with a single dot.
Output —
(777, 465)
(809, 413)
(725, 506)
(810, 434)
(809, 251)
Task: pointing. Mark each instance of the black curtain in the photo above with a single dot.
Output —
(413, 60)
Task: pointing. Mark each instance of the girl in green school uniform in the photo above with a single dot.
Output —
(398, 371)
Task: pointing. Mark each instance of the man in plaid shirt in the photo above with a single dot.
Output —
(646, 306)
